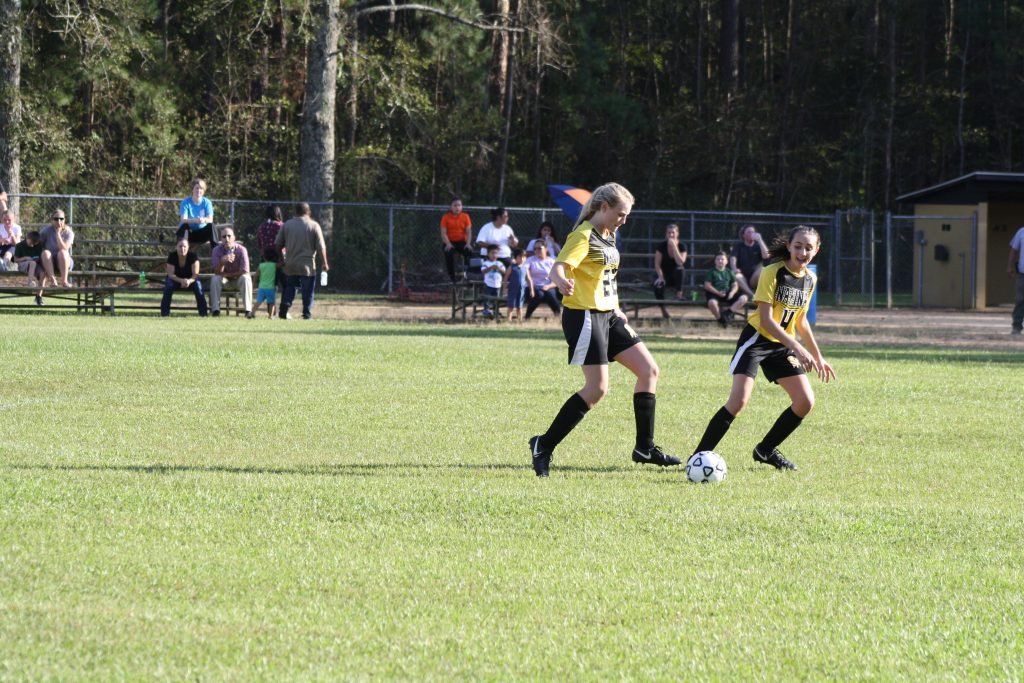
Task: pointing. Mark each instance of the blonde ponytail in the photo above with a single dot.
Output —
(613, 193)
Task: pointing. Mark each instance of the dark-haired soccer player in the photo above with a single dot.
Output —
(768, 341)
(596, 329)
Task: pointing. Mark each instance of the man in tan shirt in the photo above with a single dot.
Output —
(299, 241)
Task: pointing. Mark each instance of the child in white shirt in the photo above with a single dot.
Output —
(492, 269)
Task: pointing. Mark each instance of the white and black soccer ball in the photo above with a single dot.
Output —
(706, 467)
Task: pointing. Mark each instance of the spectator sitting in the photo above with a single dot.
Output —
(492, 268)
(545, 234)
(57, 240)
(669, 261)
(543, 289)
(182, 274)
(267, 290)
(456, 236)
(498, 233)
(747, 258)
(28, 254)
(721, 289)
(10, 235)
(230, 269)
(196, 213)
(519, 284)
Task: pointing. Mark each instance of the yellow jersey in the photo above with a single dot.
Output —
(594, 263)
(789, 294)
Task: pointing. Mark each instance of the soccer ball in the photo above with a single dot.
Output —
(706, 467)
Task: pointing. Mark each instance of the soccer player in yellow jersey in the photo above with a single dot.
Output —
(597, 331)
(769, 341)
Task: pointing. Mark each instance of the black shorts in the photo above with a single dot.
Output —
(596, 336)
(722, 301)
(753, 351)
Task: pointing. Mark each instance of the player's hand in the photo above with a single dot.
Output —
(659, 281)
(806, 360)
(567, 287)
(620, 314)
(825, 371)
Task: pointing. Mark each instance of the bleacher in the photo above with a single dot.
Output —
(116, 268)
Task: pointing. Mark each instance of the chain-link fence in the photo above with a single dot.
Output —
(384, 248)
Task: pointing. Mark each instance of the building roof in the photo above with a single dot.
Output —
(973, 188)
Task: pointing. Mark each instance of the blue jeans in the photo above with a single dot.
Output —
(170, 287)
(1018, 309)
(305, 284)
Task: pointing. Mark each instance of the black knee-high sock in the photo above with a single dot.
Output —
(784, 426)
(716, 429)
(643, 411)
(570, 415)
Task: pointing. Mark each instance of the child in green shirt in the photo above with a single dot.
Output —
(722, 291)
(267, 290)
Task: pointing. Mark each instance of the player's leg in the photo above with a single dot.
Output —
(802, 396)
(637, 358)
(718, 426)
(586, 333)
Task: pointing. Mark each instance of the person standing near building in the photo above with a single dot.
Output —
(1015, 269)
(300, 240)
(456, 236)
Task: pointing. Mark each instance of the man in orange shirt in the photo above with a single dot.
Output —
(456, 236)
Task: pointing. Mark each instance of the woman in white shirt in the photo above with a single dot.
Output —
(544, 290)
(498, 233)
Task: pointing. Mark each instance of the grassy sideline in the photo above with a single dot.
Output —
(230, 499)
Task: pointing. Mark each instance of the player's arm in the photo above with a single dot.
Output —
(562, 279)
(1011, 265)
(444, 238)
(824, 368)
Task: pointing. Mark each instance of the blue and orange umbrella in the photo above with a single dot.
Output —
(569, 199)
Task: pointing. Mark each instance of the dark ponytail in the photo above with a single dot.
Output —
(778, 251)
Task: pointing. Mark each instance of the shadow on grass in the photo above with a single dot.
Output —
(355, 469)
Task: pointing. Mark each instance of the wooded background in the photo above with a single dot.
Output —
(779, 105)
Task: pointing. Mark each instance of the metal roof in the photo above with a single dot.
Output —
(971, 189)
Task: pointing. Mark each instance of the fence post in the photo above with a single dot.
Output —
(974, 260)
(888, 259)
(692, 249)
(71, 211)
(837, 253)
(871, 239)
(391, 248)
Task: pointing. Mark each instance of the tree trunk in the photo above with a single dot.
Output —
(10, 95)
(507, 132)
(500, 47)
(729, 47)
(316, 183)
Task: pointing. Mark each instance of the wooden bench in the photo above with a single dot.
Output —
(632, 301)
(468, 299)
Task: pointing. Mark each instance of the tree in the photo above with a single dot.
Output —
(10, 96)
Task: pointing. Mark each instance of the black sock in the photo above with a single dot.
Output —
(784, 426)
(571, 414)
(643, 411)
(716, 429)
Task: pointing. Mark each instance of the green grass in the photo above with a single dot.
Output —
(226, 499)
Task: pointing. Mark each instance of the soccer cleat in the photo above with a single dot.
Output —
(215, 313)
(654, 456)
(39, 300)
(249, 315)
(774, 459)
(541, 457)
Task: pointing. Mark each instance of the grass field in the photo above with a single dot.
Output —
(228, 499)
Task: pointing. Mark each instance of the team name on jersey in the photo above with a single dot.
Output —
(793, 297)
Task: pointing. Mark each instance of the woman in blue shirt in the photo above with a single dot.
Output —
(196, 214)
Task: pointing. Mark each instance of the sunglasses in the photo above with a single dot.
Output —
(58, 218)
